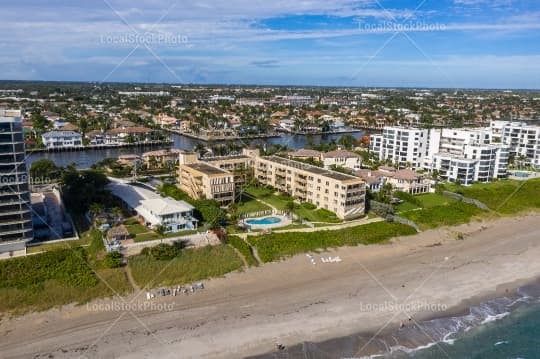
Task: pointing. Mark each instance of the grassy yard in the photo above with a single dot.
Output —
(316, 215)
(57, 277)
(428, 200)
(405, 207)
(191, 265)
(276, 246)
(303, 210)
(433, 200)
(135, 229)
(504, 197)
(267, 195)
(248, 204)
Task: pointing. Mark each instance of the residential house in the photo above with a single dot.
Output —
(62, 139)
(342, 158)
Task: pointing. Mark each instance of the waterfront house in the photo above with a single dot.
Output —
(342, 158)
(62, 139)
(406, 180)
(153, 209)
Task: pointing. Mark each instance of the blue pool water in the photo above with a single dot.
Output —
(263, 221)
(521, 174)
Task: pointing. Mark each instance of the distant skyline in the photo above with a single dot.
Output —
(421, 43)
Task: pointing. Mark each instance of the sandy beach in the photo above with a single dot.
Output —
(373, 290)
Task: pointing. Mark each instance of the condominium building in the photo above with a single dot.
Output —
(478, 163)
(15, 208)
(523, 140)
(404, 147)
(340, 193)
(464, 155)
(220, 178)
(203, 181)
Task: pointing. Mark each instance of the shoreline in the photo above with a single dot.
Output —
(391, 333)
(293, 301)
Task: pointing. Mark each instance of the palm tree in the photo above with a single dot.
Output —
(95, 210)
(117, 213)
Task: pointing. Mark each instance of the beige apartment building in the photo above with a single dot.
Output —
(203, 181)
(220, 178)
(340, 193)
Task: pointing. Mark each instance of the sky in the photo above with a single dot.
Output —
(373, 43)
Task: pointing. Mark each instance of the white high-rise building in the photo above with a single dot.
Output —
(477, 163)
(464, 155)
(404, 147)
(523, 140)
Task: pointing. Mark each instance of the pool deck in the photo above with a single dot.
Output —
(285, 221)
(531, 175)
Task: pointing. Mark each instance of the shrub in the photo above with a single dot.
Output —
(164, 251)
(279, 245)
(191, 265)
(112, 260)
(381, 209)
(309, 206)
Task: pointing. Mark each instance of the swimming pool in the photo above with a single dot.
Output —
(522, 174)
(263, 221)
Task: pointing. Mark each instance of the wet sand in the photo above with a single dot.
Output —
(372, 290)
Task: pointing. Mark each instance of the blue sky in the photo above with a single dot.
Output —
(430, 43)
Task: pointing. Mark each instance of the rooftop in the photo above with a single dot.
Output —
(56, 134)
(165, 206)
(340, 154)
(206, 168)
(305, 153)
(312, 169)
(225, 158)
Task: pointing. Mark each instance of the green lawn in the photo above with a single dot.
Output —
(433, 199)
(267, 195)
(135, 229)
(276, 246)
(405, 207)
(428, 200)
(316, 215)
(248, 204)
(303, 210)
(131, 221)
(191, 265)
(504, 197)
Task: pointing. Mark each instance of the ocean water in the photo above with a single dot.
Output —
(501, 328)
(517, 335)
